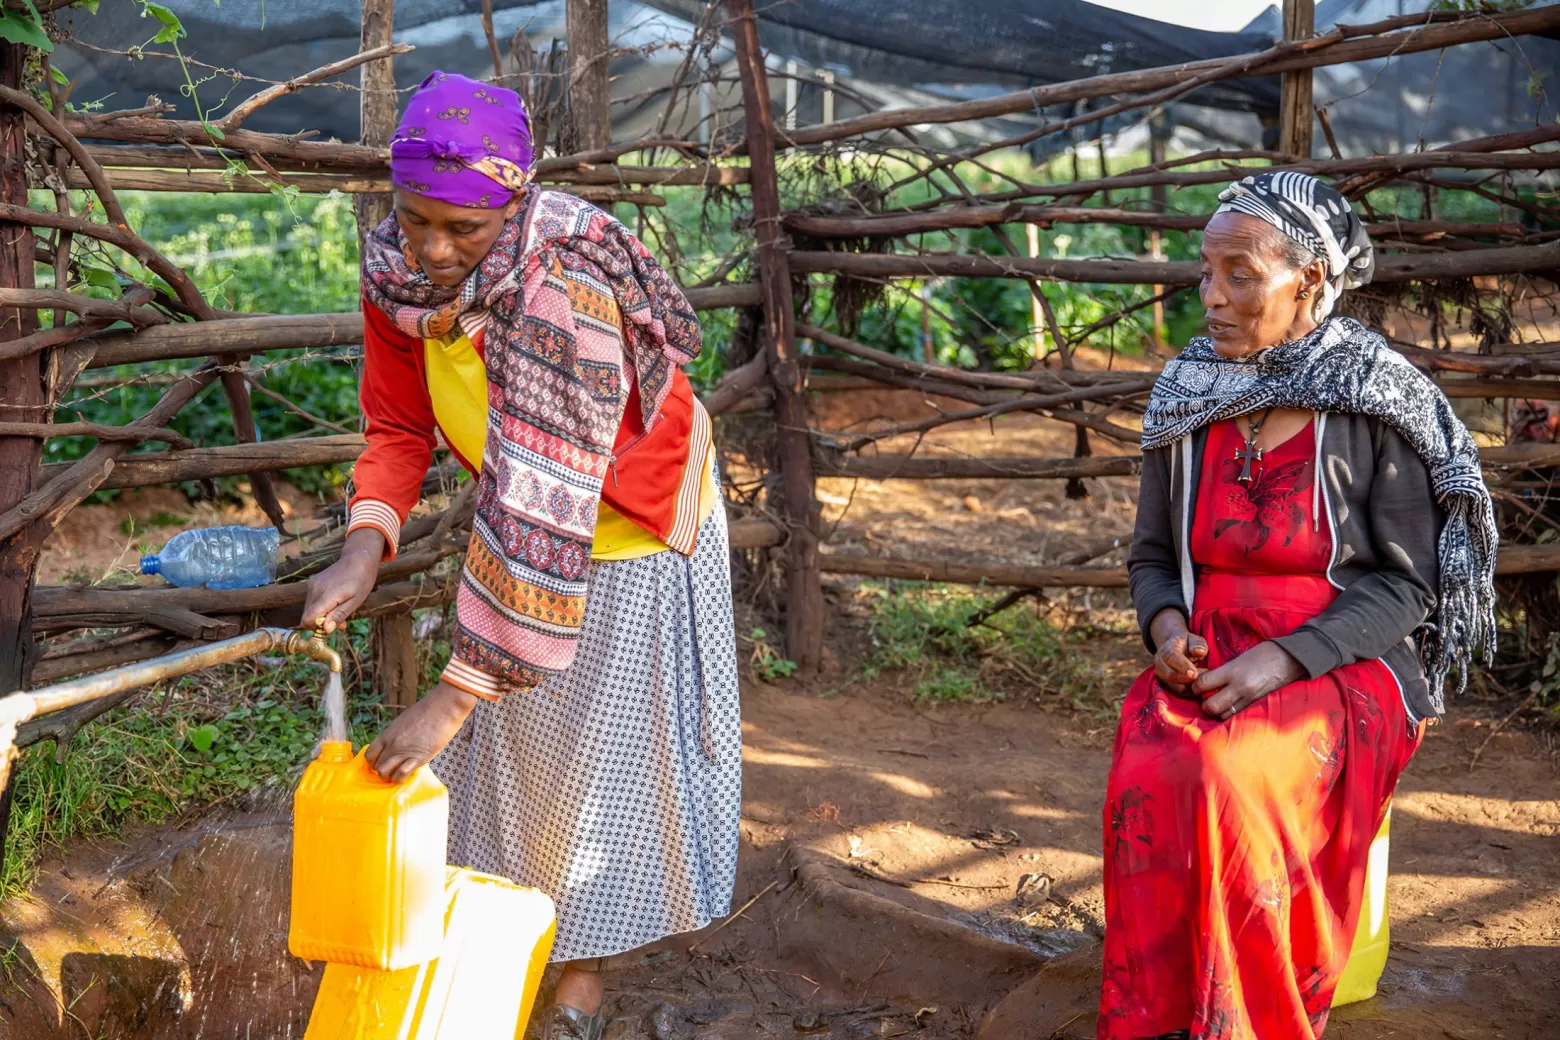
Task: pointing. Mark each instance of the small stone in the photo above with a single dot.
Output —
(1033, 889)
(972, 504)
(662, 1021)
(810, 1022)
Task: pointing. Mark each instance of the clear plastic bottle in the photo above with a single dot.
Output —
(218, 558)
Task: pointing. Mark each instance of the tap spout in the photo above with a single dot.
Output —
(313, 645)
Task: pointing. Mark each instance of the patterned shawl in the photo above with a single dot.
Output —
(1344, 367)
(570, 295)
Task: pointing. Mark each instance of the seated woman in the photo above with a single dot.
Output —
(594, 679)
(1314, 553)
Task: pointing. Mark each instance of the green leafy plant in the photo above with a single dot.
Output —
(923, 632)
(767, 662)
(25, 27)
(204, 739)
(248, 252)
(952, 684)
(170, 29)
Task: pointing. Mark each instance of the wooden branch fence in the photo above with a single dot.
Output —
(108, 152)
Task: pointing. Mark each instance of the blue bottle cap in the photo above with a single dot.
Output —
(151, 565)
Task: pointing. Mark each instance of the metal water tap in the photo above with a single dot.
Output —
(315, 645)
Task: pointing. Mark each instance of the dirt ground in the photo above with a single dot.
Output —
(886, 844)
(928, 870)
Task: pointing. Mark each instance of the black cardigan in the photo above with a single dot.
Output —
(1385, 525)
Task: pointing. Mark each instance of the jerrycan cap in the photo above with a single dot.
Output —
(335, 751)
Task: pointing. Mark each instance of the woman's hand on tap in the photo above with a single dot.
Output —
(336, 592)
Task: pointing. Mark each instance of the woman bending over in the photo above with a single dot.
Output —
(587, 725)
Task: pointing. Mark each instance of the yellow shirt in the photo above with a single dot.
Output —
(457, 384)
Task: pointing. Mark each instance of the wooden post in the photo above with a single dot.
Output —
(1294, 103)
(377, 107)
(1104, 167)
(1158, 138)
(236, 386)
(395, 660)
(804, 593)
(792, 70)
(928, 348)
(590, 104)
(22, 390)
(1036, 315)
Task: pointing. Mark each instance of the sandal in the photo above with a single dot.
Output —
(566, 1023)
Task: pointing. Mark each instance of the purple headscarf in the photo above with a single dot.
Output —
(462, 142)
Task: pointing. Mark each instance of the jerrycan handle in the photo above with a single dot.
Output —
(361, 762)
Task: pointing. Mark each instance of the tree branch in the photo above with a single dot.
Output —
(235, 118)
(86, 306)
(1050, 403)
(294, 409)
(55, 129)
(737, 384)
(51, 501)
(134, 434)
(1420, 33)
(65, 335)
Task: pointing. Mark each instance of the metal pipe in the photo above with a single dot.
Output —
(91, 687)
(22, 706)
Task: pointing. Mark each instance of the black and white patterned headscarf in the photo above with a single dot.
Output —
(1314, 214)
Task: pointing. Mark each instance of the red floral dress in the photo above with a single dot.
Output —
(1235, 851)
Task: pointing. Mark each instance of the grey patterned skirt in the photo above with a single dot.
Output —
(616, 788)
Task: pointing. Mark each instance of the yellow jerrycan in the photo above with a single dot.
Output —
(368, 864)
(1368, 957)
(482, 986)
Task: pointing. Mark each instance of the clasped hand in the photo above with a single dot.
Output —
(1226, 690)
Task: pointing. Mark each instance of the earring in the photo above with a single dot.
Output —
(1305, 294)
